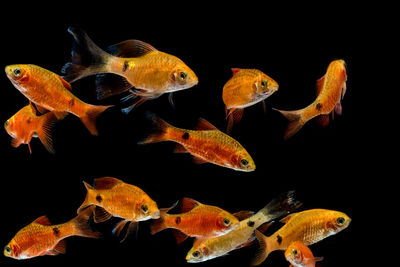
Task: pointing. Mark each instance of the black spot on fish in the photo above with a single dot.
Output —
(319, 106)
(56, 231)
(99, 198)
(250, 223)
(178, 220)
(185, 136)
(71, 102)
(279, 239)
(28, 120)
(125, 67)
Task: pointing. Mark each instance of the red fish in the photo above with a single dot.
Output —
(299, 255)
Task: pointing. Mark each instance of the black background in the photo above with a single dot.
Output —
(293, 44)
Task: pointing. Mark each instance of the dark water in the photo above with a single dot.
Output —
(326, 166)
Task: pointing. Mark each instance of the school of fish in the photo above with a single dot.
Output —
(138, 72)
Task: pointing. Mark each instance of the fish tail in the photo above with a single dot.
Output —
(90, 116)
(160, 223)
(81, 224)
(280, 206)
(160, 130)
(263, 251)
(86, 202)
(296, 121)
(44, 130)
(86, 57)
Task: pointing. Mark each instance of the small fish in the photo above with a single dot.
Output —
(41, 238)
(330, 89)
(308, 227)
(195, 220)
(112, 197)
(206, 249)
(246, 88)
(206, 144)
(299, 255)
(137, 65)
(25, 124)
(48, 90)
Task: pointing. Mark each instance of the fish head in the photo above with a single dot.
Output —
(336, 222)
(294, 253)
(147, 209)
(12, 250)
(18, 73)
(226, 222)
(264, 86)
(10, 127)
(242, 161)
(182, 77)
(199, 253)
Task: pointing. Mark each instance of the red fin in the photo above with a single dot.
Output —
(204, 125)
(235, 115)
(15, 142)
(344, 89)
(43, 220)
(235, 70)
(187, 204)
(60, 248)
(66, 84)
(30, 149)
(323, 120)
(179, 236)
(106, 183)
(197, 160)
(338, 109)
(100, 215)
(320, 84)
(180, 149)
(242, 215)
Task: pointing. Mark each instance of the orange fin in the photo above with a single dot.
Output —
(90, 116)
(43, 220)
(287, 218)
(338, 109)
(130, 48)
(60, 114)
(179, 236)
(133, 227)
(204, 125)
(187, 204)
(320, 84)
(235, 115)
(82, 224)
(197, 160)
(30, 149)
(44, 131)
(160, 130)
(15, 142)
(60, 248)
(262, 252)
(118, 228)
(66, 84)
(235, 70)
(100, 215)
(323, 120)
(180, 149)
(242, 215)
(105, 183)
(251, 240)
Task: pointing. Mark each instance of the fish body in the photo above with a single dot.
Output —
(48, 90)
(206, 249)
(331, 89)
(207, 144)
(299, 255)
(41, 238)
(246, 88)
(308, 227)
(137, 64)
(113, 197)
(196, 220)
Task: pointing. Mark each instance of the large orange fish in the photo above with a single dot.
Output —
(25, 124)
(50, 91)
(113, 197)
(299, 255)
(206, 144)
(41, 238)
(308, 227)
(330, 89)
(247, 87)
(195, 220)
(137, 64)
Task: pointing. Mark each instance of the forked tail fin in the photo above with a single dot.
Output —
(160, 128)
(90, 116)
(295, 121)
(82, 224)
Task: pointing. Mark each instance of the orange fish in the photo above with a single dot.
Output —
(195, 220)
(137, 65)
(113, 197)
(41, 238)
(330, 89)
(299, 255)
(308, 227)
(246, 88)
(206, 144)
(25, 124)
(50, 91)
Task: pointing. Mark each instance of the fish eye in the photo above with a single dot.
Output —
(294, 252)
(17, 71)
(145, 209)
(340, 221)
(264, 83)
(182, 75)
(227, 221)
(8, 250)
(196, 254)
(244, 162)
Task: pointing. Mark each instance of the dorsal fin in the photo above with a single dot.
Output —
(287, 218)
(105, 183)
(320, 84)
(242, 215)
(130, 48)
(66, 84)
(187, 204)
(202, 124)
(235, 70)
(43, 220)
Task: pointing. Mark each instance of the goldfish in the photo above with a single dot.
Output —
(48, 90)
(137, 64)
(26, 124)
(308, 227)
(42, 238)
(331, 89)
(210, 248)
(112, 197)
(246, 88)
(299, 255)
(206, 144)
(195, 220)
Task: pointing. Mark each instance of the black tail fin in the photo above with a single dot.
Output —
(283, 204)
(160, 128)
(86, 57)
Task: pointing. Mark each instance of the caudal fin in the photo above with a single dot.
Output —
(282, 205)
(295, 122)
(86, 202)
(82, 224)
(86, 57)
(90, 116)
(159, 224)
(160, 128)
